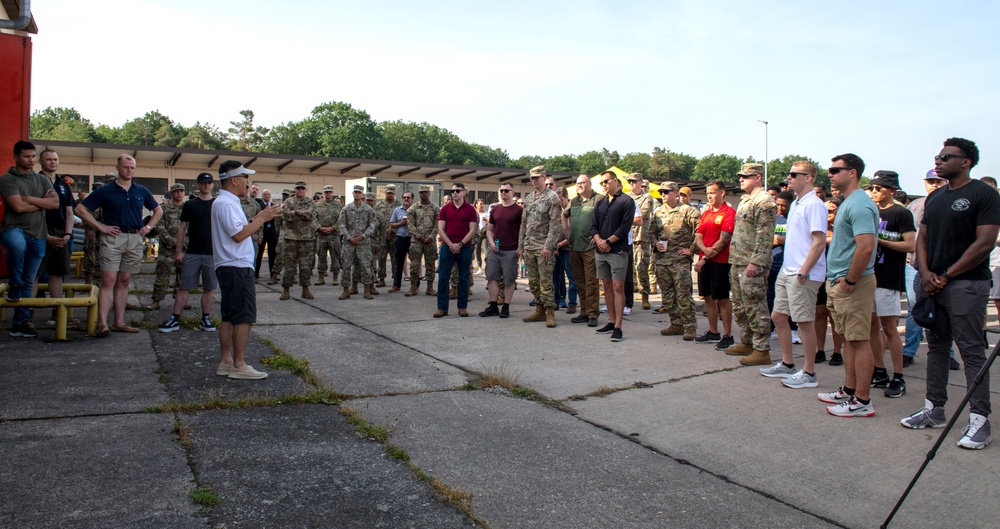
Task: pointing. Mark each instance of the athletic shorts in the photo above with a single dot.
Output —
(713, 280)
(995, 289)
(886, 303)
(198, 267)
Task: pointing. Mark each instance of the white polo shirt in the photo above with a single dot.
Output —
(806, 215)
(228, 219)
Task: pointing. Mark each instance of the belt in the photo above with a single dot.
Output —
(122, 230)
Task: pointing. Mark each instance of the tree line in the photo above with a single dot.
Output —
(337, 129)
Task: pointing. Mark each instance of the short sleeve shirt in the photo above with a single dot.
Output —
(857, 215)
(456, 221)
(29, 184)
(228, 219)
(713, 223)
(951, 217)
(121, 207)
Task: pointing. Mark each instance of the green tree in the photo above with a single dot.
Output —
(62, 124)
(563, 162)
(153, 128)
(611, 158)
(206, 136)
(594, 162)
(635, 162)
(342, 131)
(527, 161)
(665, 164)
(717, 167)
(243, 135)
(289, 138)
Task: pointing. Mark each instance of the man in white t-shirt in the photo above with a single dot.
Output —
(802, 273)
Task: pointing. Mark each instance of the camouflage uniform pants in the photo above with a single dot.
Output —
(641, 256)
(298, 255)
(357, 261)
(328, 244)
(279, 257)
(386, 246)
(540, 277)
(749, 297)
(167, 268)
(430, 255)
(674, 277)
(454, 279)
(92, 254)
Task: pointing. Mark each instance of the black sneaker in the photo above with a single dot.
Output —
(207, 325)
(709, 337)
(21, 330)
(591, 322)
(172, 325)
(13, 293)
(616, 335)
(836, 359)
(820, 356)
(492, 310)
(907, 361)
(897, 388)
(880, 380)
(505, 311)
(606, 329)
(725, 342)
(954, 365)
(580, 319)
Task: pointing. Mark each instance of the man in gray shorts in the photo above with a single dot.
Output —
(501, 263)
(198, 262)
(610, 228)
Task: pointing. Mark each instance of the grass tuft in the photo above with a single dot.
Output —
(205, 497)
(500, 375)
(182, 434)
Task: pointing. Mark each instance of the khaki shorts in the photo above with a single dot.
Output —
(122, 252)
(852, 313)
(886, 303)
(794, 299)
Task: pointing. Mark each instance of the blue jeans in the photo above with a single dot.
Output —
(914, 332)
(562, 272)
(447, 260)
(24, 255)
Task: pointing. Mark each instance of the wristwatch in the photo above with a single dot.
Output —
(849, 282)
(945, 276)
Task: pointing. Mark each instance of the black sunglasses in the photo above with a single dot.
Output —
(947, 156)
(506, 190)
(879, 189)
(605, 182)
(793, 175)
(837, 170)
(457, 190)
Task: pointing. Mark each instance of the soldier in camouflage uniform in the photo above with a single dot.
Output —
(642, 241)
(386, 239)
(541, 226)
(251, 208)
(674, 227)
(167, 267)
(750, 257)
(328, 236)
(376, 247)
(279, 259)
(423, 221)
(298, 233)
(358, 225)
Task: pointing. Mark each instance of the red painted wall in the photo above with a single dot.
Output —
(15, 93)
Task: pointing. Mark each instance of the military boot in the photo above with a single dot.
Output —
(152, 306)
(285, 294)
(740, 349)
(347, 292)
(322, 279)
(645, 302)
(368, 291)
(354, 288)
(306, 294)
(675, 329)
(414, 287)
(334, 279)
(538, 315)
(550, 317)
(453, 294)
(757, 358)
(430, 289)
(381, 282)
(689, 334)
(274, 279)
(371, 288)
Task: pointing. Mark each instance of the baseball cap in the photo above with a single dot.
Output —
(205, 177)
(932, 175)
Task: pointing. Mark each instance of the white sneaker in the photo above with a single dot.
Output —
(774, 335)
(247, 373)
(795, 337)
(604, 309)
(626, 311)
(778, 370)
(800, 380)
(977, 434)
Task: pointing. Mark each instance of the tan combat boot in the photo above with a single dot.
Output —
(538, 315)
(381, 283)
(335, 279)
(306, 294)
(645, 302)
(368, 291)
(757, 358)
(740, 349)
(675, 329)
(414, 287)
(152, 306)
(346, 294)
(689, 334)
(371, 288)
(322, 279)
(354, 288)
(273, 280)
(550, 317)
(284, 294)
(453, 294)
(430, 289)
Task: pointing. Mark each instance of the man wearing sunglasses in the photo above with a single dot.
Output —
(750, 257)
(674, 226)
(850, 287)
(457, 226)
(501, 263)
(642, 242)
(422, 219)
(577, 219)
(358, 225)
(610, 229)
(537, 239)
(958, 231)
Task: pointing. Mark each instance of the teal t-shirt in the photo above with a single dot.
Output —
(857, 215)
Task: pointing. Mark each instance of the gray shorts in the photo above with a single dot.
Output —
(195, 267)
(502, 264)
(612, 265)
(995, 289)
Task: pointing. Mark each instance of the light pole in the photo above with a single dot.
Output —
(765, 151)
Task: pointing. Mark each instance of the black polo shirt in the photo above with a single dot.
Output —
(613, 216)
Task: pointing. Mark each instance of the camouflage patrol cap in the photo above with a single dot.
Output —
(177, 187)
(391, 188)
(286, 191)
(686, 191)
(634, 176)
(537, 171)
(369, 196)
(110, 177)
(299, 184)
(668, 187)
(751, 169)
(328, 189)
(359, 189)
(425, 188)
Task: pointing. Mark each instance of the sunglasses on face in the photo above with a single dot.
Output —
(605, 183)
(879, 189)
(793, 175)
(837, 170)
(457, 190)
(505, 190)
(947, 156)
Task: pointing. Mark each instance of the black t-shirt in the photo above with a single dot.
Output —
(890, 272)
(198, 214)
(951, 217)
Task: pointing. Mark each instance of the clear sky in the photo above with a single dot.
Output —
(886, 80)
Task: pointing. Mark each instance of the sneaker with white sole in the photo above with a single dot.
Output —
(224, 369)
(852, 408)
(626, 311)
(247, 373)
(928, 417)
(977, 434)
(795, 337)
(778, 370)
(171, 325)
(834, 397)
(206, 324)
(801, 380)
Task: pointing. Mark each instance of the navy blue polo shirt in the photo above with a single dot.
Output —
(121, 207)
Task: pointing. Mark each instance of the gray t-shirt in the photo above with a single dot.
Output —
(30, 184)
